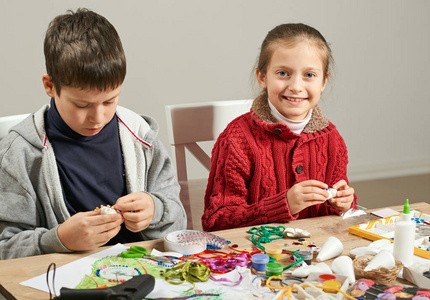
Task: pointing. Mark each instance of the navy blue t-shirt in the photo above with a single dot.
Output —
(91, 168)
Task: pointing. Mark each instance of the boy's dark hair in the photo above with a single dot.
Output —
(83, 50)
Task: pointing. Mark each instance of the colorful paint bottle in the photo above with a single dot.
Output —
(274, 269)
(331, 286)
(274, 250)
(259, 261)
(307, 256)
(325, 277)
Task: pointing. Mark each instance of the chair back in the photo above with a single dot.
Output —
(8, 122)
(188, 124)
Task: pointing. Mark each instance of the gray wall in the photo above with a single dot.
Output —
(197, 50)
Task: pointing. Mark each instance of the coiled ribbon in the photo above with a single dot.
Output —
(189, 271)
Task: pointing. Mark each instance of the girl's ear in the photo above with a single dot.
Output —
(325, 81)
(48, 85)
(261, 78)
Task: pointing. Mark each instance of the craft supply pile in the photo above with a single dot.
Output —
(283, 263)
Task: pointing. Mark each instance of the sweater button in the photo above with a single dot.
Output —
(277, 131)
(299, 169)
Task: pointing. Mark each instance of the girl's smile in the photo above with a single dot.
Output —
(293, 99)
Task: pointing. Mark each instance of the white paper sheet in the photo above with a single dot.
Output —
(70, 275)
(385, 212)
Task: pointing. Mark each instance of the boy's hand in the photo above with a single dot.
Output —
(137, 209)
(88, 230)
(305, 194)
(344, 197)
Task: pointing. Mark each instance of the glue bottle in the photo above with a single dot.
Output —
(404, 237)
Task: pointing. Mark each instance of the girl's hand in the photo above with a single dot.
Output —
(137, 209)
(305, 194)
(344, 197)
(88, 230)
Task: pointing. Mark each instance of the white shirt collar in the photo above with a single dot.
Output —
(295, 126)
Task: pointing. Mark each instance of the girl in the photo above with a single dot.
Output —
(274, 163)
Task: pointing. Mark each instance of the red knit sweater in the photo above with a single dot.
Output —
(256, 161)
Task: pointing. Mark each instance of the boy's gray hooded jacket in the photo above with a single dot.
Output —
(31, 199)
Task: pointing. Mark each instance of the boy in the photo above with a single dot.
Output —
(83, 151)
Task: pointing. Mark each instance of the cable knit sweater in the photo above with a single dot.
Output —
(255, 161)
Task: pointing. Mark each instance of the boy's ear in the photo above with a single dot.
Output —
(48, 85)
(261, 78)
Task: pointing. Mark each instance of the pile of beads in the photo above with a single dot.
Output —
(117, 280)
(168, 263)
(215, 242)
(301, 242)
(421, 221)
(425, 245)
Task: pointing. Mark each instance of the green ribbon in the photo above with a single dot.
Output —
(265, 234)
(188, 271)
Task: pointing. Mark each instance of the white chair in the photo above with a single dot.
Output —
(9, 121)
(188, 124)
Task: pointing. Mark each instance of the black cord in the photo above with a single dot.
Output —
(53, 280)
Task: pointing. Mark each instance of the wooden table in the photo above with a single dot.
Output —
(14, 271)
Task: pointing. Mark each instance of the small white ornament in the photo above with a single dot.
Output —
(331, 193)
(107, 210)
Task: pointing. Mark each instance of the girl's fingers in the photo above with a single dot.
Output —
(314, 190)
(349, 191)
(317, 198)
(314, 183)
(340, 185)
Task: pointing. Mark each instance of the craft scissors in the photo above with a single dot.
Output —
(135, 252)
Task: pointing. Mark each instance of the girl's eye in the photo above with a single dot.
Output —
(309, 75)
(282, 73)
